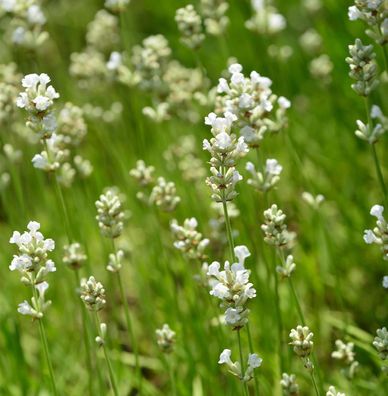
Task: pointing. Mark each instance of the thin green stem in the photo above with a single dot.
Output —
(379, 174)
(314, 383)
(43, 338)
(108, 363)
(129, 324)
(251, 351)
(228, 229)
(296, 300)
(245, 388)
(374, 155)
(172, 377)
(86, 340)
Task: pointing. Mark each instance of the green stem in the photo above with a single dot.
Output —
(129, 324)
(379, 174)
(296, 300)
(172, 377)
(228, 229)
(374, 154)
(245, 388)
(314, 383)
(86, 340)
(108, 363)
(43, 338)
(278, 312)
(251, 351)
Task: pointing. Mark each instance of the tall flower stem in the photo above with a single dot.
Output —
(107, 360)
(245, 388)
(303, 321)
(43, 338)
(375, 157)
(233, 257)
(129, 323)
(86, 340)
(60, 197)
(172, 376)
(251, 351)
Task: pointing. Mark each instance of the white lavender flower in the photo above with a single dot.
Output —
(115, 261)
(188, 240)
(110, 214)
(333, 392)
(275, 229)
(314, 201)
(266, 18)
(264, 181)
(252, 101)
(103, 32)
(38, 303)
(385, 282)
(214, 18)
(116, 5)
(32, 259)
(163, 195)
(254, 361)
(380, 342)
(379, 235)
(233, 288)
(344, 352)
(92, 294)
(363, 68)
(142, 173)
(74, 255)
(302, 341)
(225, 149)
(289, 385)
(374, 13)
(285, 270)
(37, 99)
(190, 26)
(165, 338)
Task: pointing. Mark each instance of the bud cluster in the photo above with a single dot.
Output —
(363, 68)
(379, 235)
(190, 26)
(266, 180)
(266, 18)
(165, 338)
(289, 385)
(92, 294)
(188, 240)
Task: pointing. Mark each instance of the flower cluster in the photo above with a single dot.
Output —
(252, 101)
(266, 180)
(74, 255)
(116, 5)
(380, 342)
(190, 26)
(163, 195)
(314, 201)
(375, 14)
(38, 99)
(115, 261)
(369, 132)
(232, 287)
(275, 229)
(225, 149)
(26, 28)
(379, 235)
(253, 362)
(363, 68)
(333, 392)
(302, 342)
(34, 265)
(142, 173)
(214, 18)
(165, 338)
(345, 354)
(9, 90)
(110, 214)
(188, 240)
(289, 385)
(266, 18)
(92, 294)
(287, 268)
